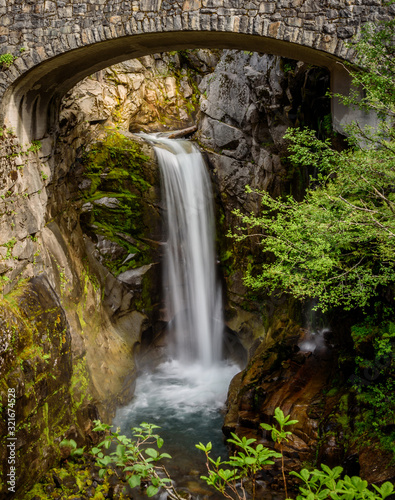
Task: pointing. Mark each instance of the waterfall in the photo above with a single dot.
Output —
(192, 292)
(184, 395)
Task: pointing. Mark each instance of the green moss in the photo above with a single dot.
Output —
(79, 383)
(116, 170)
(117, 157)
(342, 417)
(48, 487)
(332, 392)
(46, 423)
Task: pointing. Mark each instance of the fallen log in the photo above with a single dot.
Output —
(182, 133)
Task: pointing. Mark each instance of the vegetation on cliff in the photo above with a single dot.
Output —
(120, 468)
(337, 245)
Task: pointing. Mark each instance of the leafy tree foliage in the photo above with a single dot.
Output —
(338, 244)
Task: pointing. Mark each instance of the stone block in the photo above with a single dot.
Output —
(294, 21)
(150, 5)
(213, 3)
(273, 29)
(234, 4)
(79, 9)
(328, 28)
(205, 22)
(177, 23)
(221, 24)
(49, 6)
(345, 32)
(194, 21)
(262, 25)
(191, 5)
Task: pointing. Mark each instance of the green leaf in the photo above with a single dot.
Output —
(206, 448)
(151, 452)
(152, 490)
(226, 474)
(105, 460)
(323, 495)
(134, 481)
(69, 443)
(120, 451)
(385, 490)
(279, 415)
(78, 451)
(139, 467)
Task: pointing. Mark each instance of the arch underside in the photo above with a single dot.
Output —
(30, 105)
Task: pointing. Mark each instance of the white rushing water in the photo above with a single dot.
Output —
(192, 292)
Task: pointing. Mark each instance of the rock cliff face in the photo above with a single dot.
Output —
(70, 325)
(154, 93)
(81, 241)
(247, 103)
(302, 375)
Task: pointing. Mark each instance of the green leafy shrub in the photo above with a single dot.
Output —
(247, 463)
(326, 483)
(374, 378)
(138, 458)
(337, 245)
(243, 465)
(280, 436)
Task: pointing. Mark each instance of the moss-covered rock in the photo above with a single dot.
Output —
(37, 369)
(121, 201)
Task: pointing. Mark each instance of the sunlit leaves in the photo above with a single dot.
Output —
(327, 483)
(136, 457)
(244, 464)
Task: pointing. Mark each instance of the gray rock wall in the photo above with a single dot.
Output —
(247, 104)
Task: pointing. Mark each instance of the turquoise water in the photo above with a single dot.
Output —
(187, 403)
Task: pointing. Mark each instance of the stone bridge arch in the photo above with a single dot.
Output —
(57, 43)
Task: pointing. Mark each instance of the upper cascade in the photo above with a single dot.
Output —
(192, 292)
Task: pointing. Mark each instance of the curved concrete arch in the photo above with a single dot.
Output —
(68, 40)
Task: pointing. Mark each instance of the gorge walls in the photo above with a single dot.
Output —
(81, 239)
